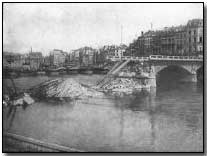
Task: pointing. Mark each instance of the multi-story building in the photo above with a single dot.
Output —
(101, 56)
(179, 40)
(35, 60)
(120, 50)
(46, 61)
(12, 60)
(86, 56)
(114, 50)
(145, 43)
(75, 57)
(30, 61)
(194, 36)
(57, 57)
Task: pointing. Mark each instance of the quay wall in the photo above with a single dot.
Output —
(17, 143)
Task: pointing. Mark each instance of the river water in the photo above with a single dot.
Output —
(168, 118)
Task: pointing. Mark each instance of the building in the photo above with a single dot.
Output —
(29, 61)
(86, 56)
(114, 50)
(120, 50)
(35, 60)
(57, 58)
(75, 57)
(176, 40)
(12, 60)
(101, 56)
(195, 36)
(144, 43)
(180, 41)
(46, 61)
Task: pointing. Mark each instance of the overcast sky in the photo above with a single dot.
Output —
(69, 26)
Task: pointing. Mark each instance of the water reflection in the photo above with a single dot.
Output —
(180, 104)
(168, 118)
(12, 110)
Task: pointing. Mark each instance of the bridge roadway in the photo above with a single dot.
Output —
(157, 63)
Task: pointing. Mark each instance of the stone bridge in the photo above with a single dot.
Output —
(156, 63)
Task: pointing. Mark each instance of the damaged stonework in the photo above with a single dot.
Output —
(128, 85)
(128, 76)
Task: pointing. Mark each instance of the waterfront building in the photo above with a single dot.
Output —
(120, 50)
(180, 41)
(145, 43)
(114, 50)
(12, 60)
(57, 57)
(101, 56)
(195, 36)
(46, 61)
(86, 56)
(75, 57)
(35, 60)
(176, 40)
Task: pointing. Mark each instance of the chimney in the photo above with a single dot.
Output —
(142, 33)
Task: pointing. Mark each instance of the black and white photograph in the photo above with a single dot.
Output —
(102, 77)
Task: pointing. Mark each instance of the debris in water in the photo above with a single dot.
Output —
(64, 88)
(123, 85)
(28, 99)
(19, 100)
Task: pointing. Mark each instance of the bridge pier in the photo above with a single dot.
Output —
(152, 81)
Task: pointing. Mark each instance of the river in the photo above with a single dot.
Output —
(166, 119)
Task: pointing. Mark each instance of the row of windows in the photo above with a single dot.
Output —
(166, 41)
(194, 40)
(192, 31)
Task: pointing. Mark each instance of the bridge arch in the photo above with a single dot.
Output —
(171, 67)
(173, 72)
(191, 69)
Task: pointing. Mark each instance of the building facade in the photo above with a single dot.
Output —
(57, 58)
(12, 60)
(180, 40)
(35, 60)
(194, 36)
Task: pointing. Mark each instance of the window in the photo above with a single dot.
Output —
(200, 40)
(194, 32)
(194, 39)
(189, 32)
(189, 40)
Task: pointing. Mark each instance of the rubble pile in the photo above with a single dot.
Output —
(123, 85)
(24, 99)
(64, 88)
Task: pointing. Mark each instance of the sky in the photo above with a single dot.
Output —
(68, 26)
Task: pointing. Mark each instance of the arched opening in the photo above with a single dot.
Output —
(171, 75)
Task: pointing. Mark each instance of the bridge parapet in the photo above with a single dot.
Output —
(114, 58)
(157, 58)
(176, 58)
